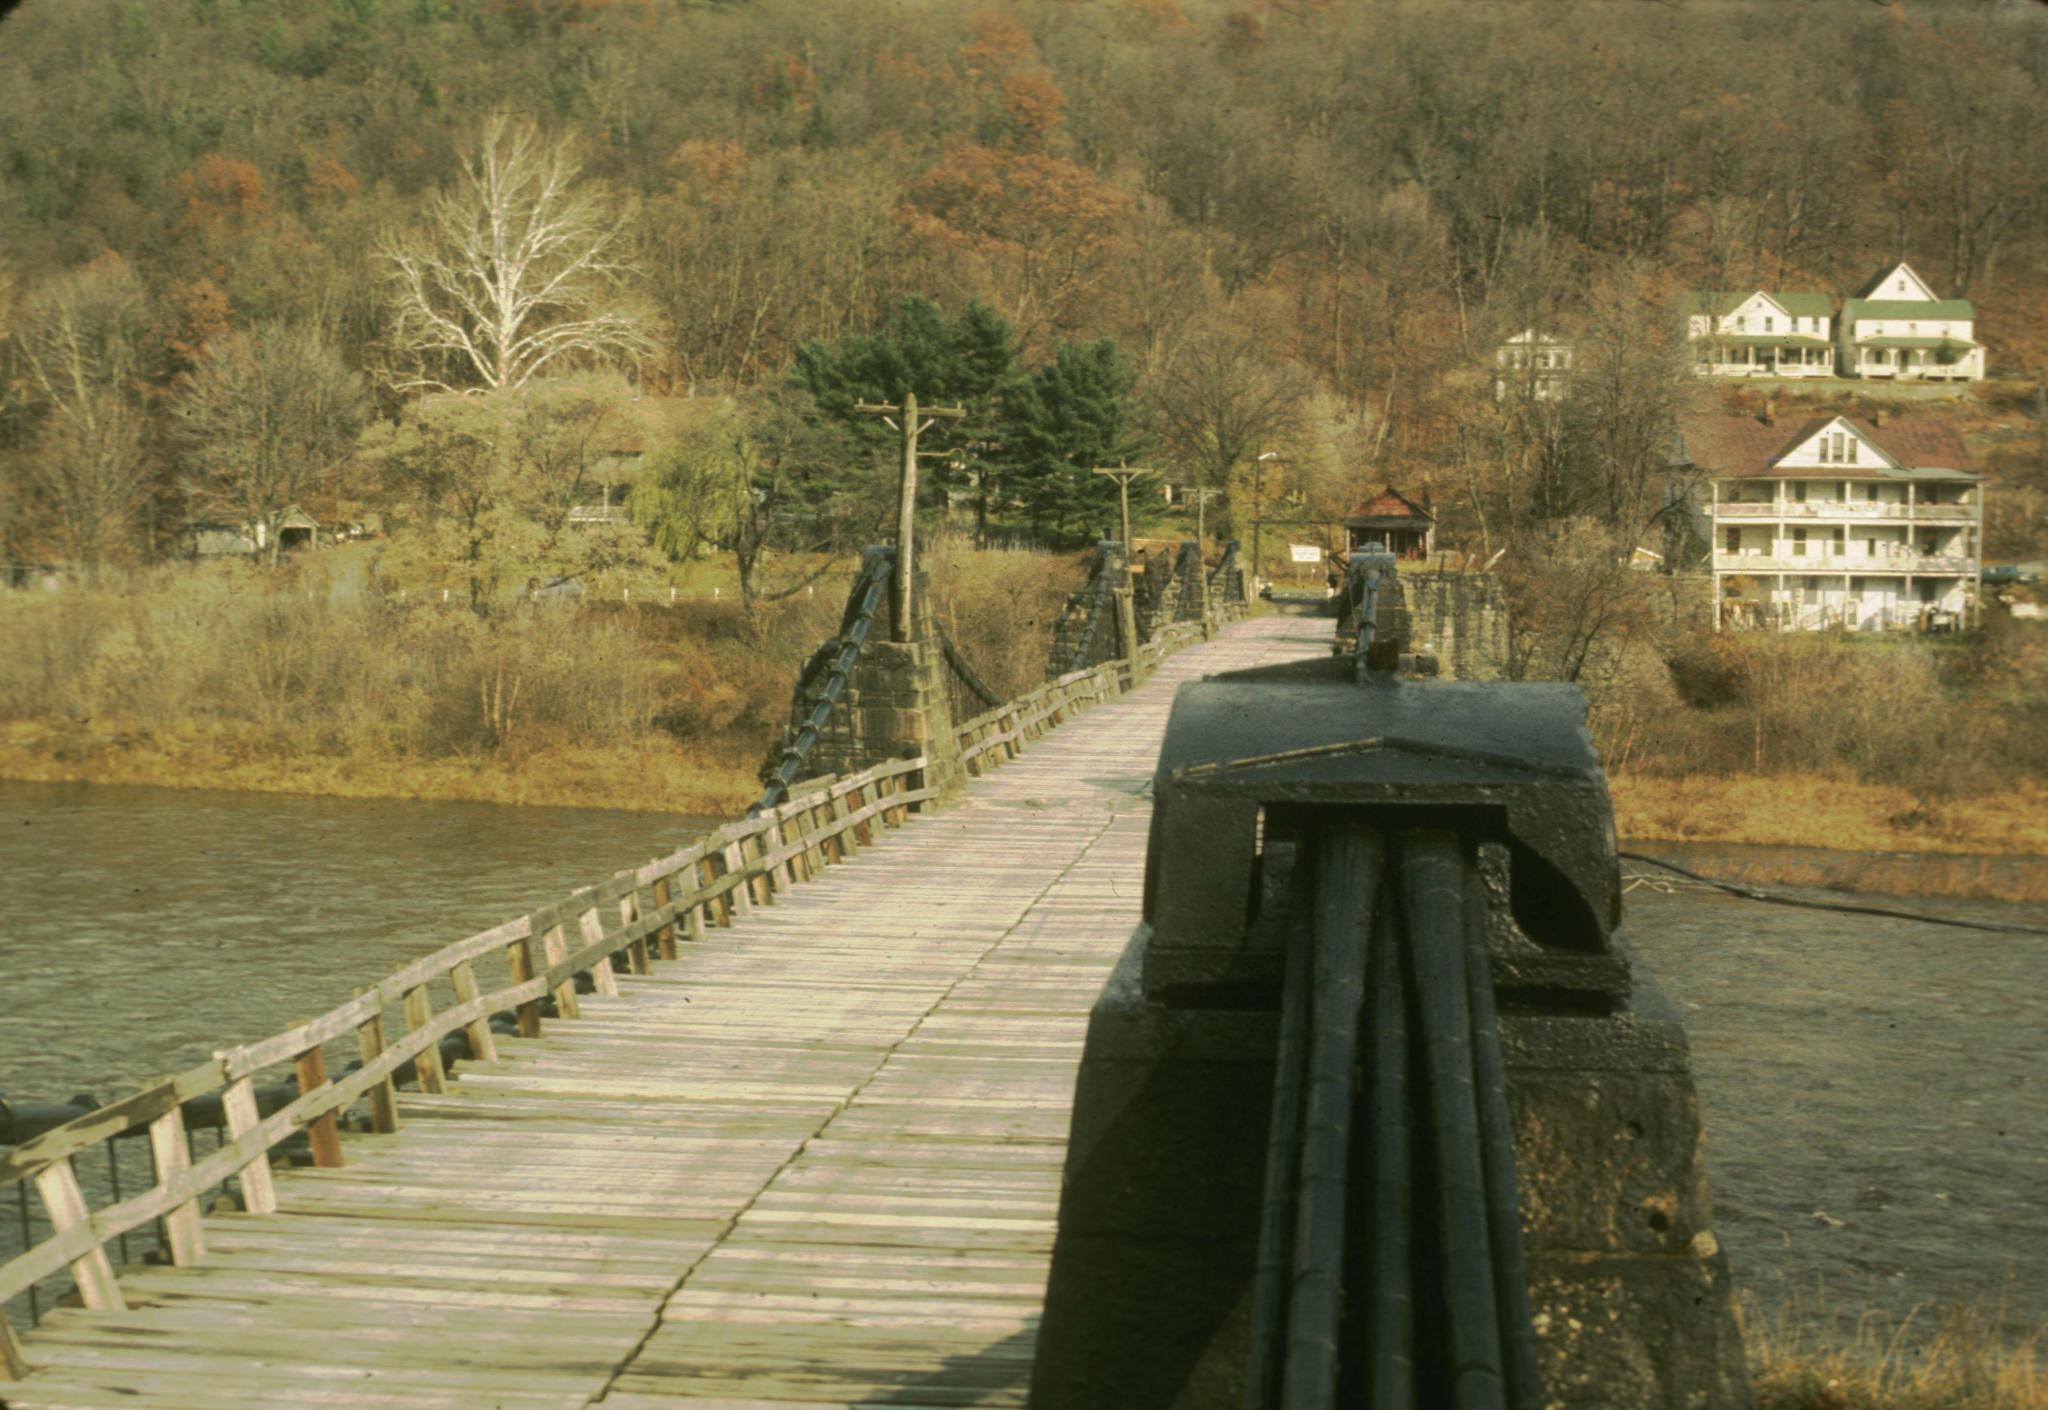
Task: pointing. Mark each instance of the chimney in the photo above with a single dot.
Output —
(1877, 416)
(1769, 415)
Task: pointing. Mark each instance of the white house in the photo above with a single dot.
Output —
(1761, 334)
(1535, 362)
(1897, 328)
(1839, 522)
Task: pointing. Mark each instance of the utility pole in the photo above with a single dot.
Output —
(1123, 477)
(1126, 616)
(1202, 494)
(1259, 512)
(906, 505)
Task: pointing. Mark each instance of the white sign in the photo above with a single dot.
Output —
(1305, 552)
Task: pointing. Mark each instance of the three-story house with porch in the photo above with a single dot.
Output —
(1838, 522)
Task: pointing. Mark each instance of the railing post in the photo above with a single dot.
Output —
(323, 1133)
(665, 937)
(171, 1158)
(426, 1063)
(556, 950)
(238, 1100)
(590, 929)
(370, 1043)
(57, 1184)
(483, 1046)
(740, 899)
(636, 952)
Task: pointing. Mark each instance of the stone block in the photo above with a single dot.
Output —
(1621, 1332)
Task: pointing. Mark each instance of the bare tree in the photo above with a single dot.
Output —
(264, 416)
(76, 356)
(1222, 399)
(517, 270)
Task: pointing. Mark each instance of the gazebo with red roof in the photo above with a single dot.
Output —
(1390, 517)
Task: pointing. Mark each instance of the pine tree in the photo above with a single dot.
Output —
(1062, 421)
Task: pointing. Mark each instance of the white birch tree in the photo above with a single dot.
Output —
(518, 270)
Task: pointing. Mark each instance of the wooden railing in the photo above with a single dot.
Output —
(630, 919)
(998, 735)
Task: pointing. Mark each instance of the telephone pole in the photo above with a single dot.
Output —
(1259, 511)
(906, 503)
(1202, 495)
(1123, 477)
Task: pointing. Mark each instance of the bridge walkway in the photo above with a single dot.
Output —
(815, 1161)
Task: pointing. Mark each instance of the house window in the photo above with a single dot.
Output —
(1902, 286)
(1799, 491)
(1842, 490)
(1799, 541)
(1767, 323)
(1841, 542)
(1827, 450)
(1913, 329)
(1852, 450)
(1735, 540)
(1742, 323)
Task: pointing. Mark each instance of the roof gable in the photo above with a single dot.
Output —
(1738, 446)
(1898, 282)
(1856, 449)
(1389, 503)
(1759, 301)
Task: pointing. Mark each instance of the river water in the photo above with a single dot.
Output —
(146, 928)
(1877, 1125)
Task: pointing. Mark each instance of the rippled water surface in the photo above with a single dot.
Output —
(145, 928)
(1876, 1099)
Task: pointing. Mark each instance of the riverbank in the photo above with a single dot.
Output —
(653, 775)
(1769, 831)
(1843, 834)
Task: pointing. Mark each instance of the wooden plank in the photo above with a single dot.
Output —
(590, 926)
(259, 1196)
(419, 1022)
(483, 1044)
(171, 1156)
(383, 1095)
(556, 950)
(64, 1203)
(323, 1135)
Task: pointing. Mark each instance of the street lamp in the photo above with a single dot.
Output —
(1258, 511)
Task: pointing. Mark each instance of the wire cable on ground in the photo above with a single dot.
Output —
(1780, 898)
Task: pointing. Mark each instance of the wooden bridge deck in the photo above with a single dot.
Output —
(815, 1161)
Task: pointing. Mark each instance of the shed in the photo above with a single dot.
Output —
(1390, 517)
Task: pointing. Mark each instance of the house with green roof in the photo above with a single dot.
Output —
(1761, 334)
(1897, 329)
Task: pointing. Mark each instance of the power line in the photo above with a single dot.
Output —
(1782, 898)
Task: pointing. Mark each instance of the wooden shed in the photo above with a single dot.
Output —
(1390, 517)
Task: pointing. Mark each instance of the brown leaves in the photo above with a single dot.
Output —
(223, 196)
(1041, 228)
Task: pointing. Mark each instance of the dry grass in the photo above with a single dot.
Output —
(1819, 811)
(1951, 1358)
(303, 681)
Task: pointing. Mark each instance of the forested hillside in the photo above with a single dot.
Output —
(1303, 223)
(472, 268)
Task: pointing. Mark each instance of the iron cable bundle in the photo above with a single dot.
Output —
(1402, 1283)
